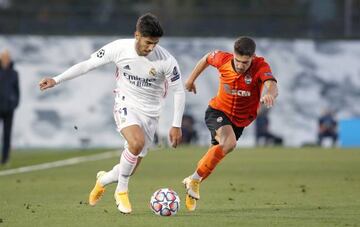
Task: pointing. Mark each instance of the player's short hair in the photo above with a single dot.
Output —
(245, 46)
(149, 26)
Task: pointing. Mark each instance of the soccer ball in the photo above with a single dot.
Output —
(165, 202)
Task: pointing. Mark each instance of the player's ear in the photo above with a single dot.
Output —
(137, 35)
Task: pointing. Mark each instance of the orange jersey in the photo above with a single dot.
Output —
(239, 94)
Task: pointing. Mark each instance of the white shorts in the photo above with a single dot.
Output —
(126, 116)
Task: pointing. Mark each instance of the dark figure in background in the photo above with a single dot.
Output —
(262, 131)
(9, 100)
(189, 134)
(327, 127)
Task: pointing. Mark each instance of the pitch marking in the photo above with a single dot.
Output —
(66, 162)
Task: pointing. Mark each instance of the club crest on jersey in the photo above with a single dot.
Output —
(248, 79)
(100, 53)
(219, 119)
(152, 72)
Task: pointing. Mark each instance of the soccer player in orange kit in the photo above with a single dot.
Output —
(242, 77)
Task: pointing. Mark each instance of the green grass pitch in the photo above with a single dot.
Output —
(251, 187)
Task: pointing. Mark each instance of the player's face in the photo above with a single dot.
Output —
(5, 59)
(144, 45)
(242, 62)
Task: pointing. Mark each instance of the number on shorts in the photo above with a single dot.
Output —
(125, 111)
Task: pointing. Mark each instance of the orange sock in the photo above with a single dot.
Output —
(209, 161)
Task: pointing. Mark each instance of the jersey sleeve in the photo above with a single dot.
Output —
(174, 81)
(172, 72)
(106, 54)
(265, 72)
(217, 58)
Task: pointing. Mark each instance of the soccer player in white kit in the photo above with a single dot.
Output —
(145, 72)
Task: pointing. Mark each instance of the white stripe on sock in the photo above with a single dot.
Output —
(129, 156)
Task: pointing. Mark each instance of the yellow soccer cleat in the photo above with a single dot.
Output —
(122, 202)
(190, 200)
(190, 203)
(97, 191)
(192, 187)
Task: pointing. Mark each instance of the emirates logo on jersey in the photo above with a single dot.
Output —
(152, 72)
(248, 79)
(230, 91)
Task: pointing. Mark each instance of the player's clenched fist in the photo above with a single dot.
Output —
(46, 83)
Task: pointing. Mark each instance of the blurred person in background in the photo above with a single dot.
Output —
(9, 100)
(145, 72)
(263, 134)
(327, 127)
(242, 76)
(188, 131)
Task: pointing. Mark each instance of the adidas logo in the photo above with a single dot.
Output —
(127, 67)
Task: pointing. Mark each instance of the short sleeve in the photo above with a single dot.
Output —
(218, 58)
(265, 72)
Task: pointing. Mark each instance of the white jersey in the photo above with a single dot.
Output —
(142, 81)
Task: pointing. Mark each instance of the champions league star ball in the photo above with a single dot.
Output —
(165, 202)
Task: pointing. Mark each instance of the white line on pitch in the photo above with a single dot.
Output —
(66, 162)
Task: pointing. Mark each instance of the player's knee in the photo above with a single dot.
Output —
(228, 146)
(136, 146)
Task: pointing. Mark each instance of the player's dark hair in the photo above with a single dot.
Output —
(149, 26)
(245, 46)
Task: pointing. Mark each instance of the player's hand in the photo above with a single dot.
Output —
(175, 136)
(46, 83)
(190, 86)
(268, 100)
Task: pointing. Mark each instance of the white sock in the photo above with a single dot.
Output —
(127, 164)
(110, 177)
(195, 176)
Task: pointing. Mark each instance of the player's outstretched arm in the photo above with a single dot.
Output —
(199, 68)
(73, 72)
(270, 93)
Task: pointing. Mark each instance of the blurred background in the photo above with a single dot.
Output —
(228, 18)
(312, 46)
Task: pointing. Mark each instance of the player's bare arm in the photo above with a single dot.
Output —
(46, 83)
(175, 136)
(270, 93)
(199, 68)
